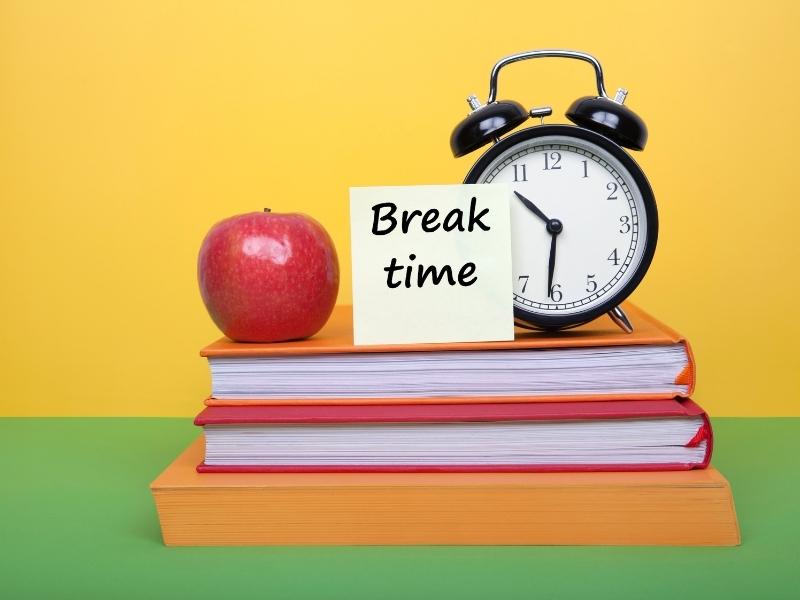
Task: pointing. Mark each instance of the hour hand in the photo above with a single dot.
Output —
(532, 207)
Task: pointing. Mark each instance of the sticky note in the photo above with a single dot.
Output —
(431, 264)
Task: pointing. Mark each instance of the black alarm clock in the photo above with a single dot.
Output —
(584, 222)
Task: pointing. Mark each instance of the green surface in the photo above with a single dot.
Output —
(77, 521)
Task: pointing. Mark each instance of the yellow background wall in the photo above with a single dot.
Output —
(128, 128)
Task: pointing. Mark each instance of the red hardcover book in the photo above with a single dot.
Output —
(630, 435)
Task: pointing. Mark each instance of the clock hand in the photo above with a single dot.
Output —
(554, 227)
(532, 207)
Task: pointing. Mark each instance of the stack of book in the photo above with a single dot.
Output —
(584, 437)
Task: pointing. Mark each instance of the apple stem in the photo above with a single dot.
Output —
(267, 210)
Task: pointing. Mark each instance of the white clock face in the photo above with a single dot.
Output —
(581, 210)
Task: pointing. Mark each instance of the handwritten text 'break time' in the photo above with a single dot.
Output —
(384, 222)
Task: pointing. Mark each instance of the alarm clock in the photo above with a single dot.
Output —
(584, 222)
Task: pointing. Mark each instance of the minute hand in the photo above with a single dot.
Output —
(532, 207)
(554, 228)
(551, 267)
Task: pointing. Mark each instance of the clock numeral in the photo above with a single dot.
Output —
(612, 187)
(614, 258)
(520, 170)
(525, 284)
(551, 163)
(625, 224)
(585, 169)
(591, 284)
(555, 292)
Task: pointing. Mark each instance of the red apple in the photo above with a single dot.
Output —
(268, 277)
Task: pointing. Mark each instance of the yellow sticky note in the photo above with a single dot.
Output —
(431, 264)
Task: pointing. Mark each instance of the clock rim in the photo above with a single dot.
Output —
(553, 322)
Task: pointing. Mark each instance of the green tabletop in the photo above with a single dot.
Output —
(77, 521)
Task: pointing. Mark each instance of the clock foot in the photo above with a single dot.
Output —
(621, 319)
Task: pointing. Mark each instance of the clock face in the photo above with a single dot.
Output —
(579, 224)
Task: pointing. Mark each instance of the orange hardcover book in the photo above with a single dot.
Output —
(594, 362)
(691, 508)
